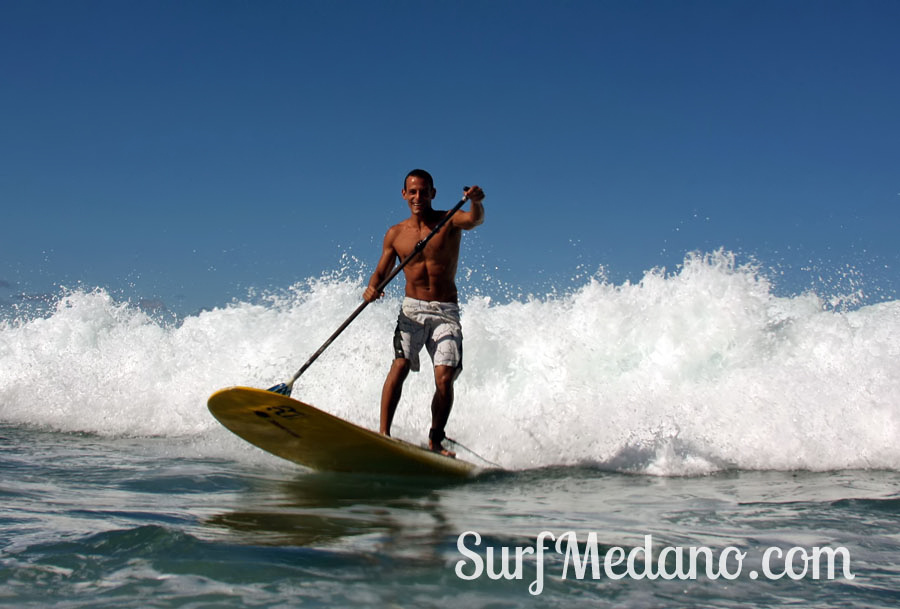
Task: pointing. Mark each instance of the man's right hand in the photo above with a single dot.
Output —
(370, 295)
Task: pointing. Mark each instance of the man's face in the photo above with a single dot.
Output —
(418, 195)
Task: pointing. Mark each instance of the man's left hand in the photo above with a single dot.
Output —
(474, 194)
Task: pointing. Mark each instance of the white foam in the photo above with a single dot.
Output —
(681, 373)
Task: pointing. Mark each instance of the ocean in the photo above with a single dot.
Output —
(693, 439)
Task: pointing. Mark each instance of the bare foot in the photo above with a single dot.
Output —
(441, 451)
(435, 438)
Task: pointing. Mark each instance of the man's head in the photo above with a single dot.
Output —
(418, 191)
(419, 173)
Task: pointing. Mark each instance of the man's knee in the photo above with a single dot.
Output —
(444, 377)
(400, 368)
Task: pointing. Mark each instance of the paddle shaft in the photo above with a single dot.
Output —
(419, 247)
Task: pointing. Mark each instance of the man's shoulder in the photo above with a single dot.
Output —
(397, 228)
(395, 232)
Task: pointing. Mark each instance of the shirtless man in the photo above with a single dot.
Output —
(430, 313)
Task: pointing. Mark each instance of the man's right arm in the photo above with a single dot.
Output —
(383, 269)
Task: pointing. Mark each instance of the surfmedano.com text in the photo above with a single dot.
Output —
(643, 562)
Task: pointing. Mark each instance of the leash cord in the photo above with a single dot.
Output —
(469, 450)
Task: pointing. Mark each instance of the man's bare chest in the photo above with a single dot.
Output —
(441, 245)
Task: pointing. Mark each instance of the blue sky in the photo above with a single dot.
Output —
(187, 151)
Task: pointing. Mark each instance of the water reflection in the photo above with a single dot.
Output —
(400, 515)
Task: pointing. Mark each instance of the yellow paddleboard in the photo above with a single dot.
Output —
(306, 435)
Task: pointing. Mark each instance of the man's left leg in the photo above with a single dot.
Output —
(441, 405)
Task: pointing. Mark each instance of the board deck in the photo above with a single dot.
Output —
(311, 437)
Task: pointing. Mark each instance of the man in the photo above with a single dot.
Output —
(430, 313)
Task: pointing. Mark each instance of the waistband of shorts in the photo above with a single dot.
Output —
(431, 304)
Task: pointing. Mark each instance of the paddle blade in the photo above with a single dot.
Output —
(281, 388)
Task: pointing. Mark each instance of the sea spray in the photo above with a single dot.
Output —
(682, 373)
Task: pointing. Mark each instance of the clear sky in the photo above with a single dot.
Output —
(189, 150)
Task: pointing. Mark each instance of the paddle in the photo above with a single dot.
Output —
(285, 388)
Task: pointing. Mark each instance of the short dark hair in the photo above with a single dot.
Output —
(419, 173)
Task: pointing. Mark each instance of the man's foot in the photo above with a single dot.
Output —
(435, 437)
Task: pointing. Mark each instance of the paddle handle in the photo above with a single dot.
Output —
(380, 288)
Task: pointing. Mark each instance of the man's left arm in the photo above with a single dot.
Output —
(467, 220)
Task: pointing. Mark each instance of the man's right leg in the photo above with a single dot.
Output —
(390, 394)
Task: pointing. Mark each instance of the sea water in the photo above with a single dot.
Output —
(691, 409)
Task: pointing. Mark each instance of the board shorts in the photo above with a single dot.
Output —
(434, 325)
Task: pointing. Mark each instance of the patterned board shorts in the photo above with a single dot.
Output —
(434, 325)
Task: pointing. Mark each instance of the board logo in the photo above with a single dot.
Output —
(282, 410)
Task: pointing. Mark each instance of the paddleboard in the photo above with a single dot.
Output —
(311, 437)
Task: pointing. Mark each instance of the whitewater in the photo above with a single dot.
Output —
(698, 370)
